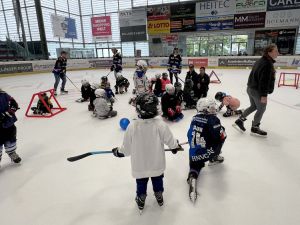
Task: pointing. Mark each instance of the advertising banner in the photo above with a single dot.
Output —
(198, 62)
(183, 17)
(215, 15)
(133, 25)
(249, 20)
(16, 68)
(283, 18)
(273, 5)
(237, 61)
(170, 38)
(247, 6)
(63, 27)
(158, 19)
(283, 38)
(101, 27)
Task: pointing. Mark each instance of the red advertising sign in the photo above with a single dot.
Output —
(170, 38)
(199, 62)
(101, 26)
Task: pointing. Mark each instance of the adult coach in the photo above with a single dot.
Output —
(117, 62)
(260, 83)
(174, 63)
(59, 72)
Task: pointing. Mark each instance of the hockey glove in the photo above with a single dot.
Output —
(223, 134)
(179, 148)
(178, 109)
(116, 153)
(171, 112)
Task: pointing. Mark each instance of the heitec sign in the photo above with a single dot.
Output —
(215, 8)
(274, 5)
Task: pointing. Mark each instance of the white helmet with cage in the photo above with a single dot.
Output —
(100, 93)
(170, 89)
(142, 65)
(206, 106)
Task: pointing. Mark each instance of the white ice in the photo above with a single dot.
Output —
(258, 183)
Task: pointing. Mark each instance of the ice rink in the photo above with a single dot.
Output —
(258, 183)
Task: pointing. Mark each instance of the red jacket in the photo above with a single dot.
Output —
(164, 83)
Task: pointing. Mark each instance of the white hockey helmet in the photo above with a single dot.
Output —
(84, 81)
(100, 93)
(118, 75)
(170, 89)
(95, 86)
(158, 76)
(206, 106)
(142, 64)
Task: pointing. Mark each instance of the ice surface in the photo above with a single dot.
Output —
(258, 183)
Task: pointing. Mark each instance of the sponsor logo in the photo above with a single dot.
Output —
(296, 62)
(250, 4)
(16, 68)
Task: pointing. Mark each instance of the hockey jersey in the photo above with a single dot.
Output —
(164, 82)
(8, 107)
(204, 135)
(60, 66)
(175, 60)
(102, 108)
(141, 84)
(144, 141)
(169, 101)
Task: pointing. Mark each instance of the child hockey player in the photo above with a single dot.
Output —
(102, 109)
(178, 91)
(105, 84)
(85, 91)
(8, 130)
(232, 104)
(170, 104)
(158, 85)
(122, 84)
(40, 107)
(140, 80)
(144, 141)
(174, 64)
(206, 137)
(188, 95)
(164, 81)
(94, 87)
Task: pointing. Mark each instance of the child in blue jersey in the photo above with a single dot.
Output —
(8, 130)
(206, 137)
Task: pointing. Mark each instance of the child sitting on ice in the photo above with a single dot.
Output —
(232, 104)
(102, 108)
(94, 87)
(105, 84)
(41, 107)
(188, 95)
(164, 81)
(170, 104)
(157, 85)
(122, 84)
(144, 142)
(85, 91)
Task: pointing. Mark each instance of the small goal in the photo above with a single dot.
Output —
(216, 79)
(289, 79)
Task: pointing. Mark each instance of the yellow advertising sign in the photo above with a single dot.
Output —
(158, 27)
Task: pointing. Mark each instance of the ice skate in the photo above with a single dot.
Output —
(14, 157)
(192, 181)
(256, 131)
(63, 92)
(239, 124)
(159, 198)
(140, 201)
(216, 160)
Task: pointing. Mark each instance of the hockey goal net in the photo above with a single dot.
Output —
(44, 105)
(289, 79)
(214, 78)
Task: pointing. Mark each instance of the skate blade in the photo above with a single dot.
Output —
(140, 211)
(214, 163)
(257, 135)
(237, 128)
(193, 197)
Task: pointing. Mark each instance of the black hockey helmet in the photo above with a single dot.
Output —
(104, 79)
(219, 96)
(178, 86)
(146, 105)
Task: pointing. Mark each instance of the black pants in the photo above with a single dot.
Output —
(171, 77)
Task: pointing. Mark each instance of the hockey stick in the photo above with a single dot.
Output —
(108, 73)
(78, 157)
(73, 83)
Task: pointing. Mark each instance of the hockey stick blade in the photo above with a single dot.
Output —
(78, 157)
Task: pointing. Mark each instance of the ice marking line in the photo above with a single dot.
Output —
(280, 103)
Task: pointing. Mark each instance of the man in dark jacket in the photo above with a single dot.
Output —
(260, 83)
(59, 72)
(201, 84)
(174, 64)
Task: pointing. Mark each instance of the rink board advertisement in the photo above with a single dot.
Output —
(247, 6)
(237, 61)
(183, 18)
(63, 27)
(283, 18)
(158, 19)
(198, 62)
(15, 68)
(249, 20)
(101, 27)
(133, 25)
(215, 23)
(274, 5)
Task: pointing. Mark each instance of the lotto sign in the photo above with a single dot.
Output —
(250, 6)
(159, 27)
(101, 26)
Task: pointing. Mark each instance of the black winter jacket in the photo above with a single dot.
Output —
(262, 76)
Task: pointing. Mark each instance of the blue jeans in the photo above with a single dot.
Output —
(61, 76)
(157, 183)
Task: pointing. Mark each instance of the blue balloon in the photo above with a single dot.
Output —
(124, 122)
